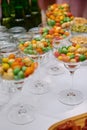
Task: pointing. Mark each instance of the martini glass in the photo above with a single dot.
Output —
(11, 75)
(69, 96)
(38, 49)
(56, 68)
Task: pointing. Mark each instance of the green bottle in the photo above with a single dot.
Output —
(35, 12)
(27, 14)
(6, 18)
(19, 13)
(12, 9)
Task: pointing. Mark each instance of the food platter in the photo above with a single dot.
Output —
(79, 120)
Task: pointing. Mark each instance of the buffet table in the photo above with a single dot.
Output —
(47, 109)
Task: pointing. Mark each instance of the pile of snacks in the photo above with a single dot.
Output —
(16, 68)
(35, 46)
(80, 20)
(58, 14)
(54, 32)
(79, 28)
(72, 53)
(79, 39)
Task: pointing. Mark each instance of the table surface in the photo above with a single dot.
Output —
(47, 109)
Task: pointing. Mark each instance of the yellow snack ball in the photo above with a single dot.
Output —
(77, 46)
(60, 58)
(8, 76)
(5, 66)
(5, 60)
(1, 70)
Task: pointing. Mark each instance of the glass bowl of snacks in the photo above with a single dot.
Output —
(15, 69)
(78, 26)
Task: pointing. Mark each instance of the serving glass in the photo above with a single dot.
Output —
(69, 96)
(17, 31)
(3, 29)
(38, 52)
(56, 68)
(35, 32)
(15, 74)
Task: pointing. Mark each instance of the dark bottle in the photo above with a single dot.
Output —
(6, 18)
(35, 12)
(27, 14)
(19, 13)
(12, 11)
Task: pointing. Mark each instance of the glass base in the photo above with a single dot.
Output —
(70, 97)
(20, 114)
(39, 87)
(55, 70)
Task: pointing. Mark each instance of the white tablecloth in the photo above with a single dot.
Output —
(48, 109)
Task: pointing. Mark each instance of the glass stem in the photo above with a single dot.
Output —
(71, 93)
(72, 76)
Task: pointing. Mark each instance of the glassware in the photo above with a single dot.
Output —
(25, 37)
(17, 73)
(72, 62)
(17, 31)
(71, 96)
(5, 36)
(3, 28)
(39, 53)
(35, 32)
(8, 45)
(55, 68)
(21, 114)
(78, 27)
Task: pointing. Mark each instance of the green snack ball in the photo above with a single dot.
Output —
(30, 51)
(16, 77)
(16, 71)
(37, 38)
(72, 56)
(45, 30)
(61, 22)
(44, 34)
(30, 47)
(24, 68)
(60, 50)
(51, 22)
(64, 50)
(26, 50)
(21, 75)
(82, 57)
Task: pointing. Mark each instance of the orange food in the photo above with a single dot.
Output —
(22, 48)
(39, 50)
(18, 59)
(35, 65)
(26, 44)
(29, 71)
(15, 64)
(11, 56)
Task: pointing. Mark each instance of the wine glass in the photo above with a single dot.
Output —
(71, 60)
(17, 31)
(35, 32)
(16, 70)
(56, 68)
(38, 49)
